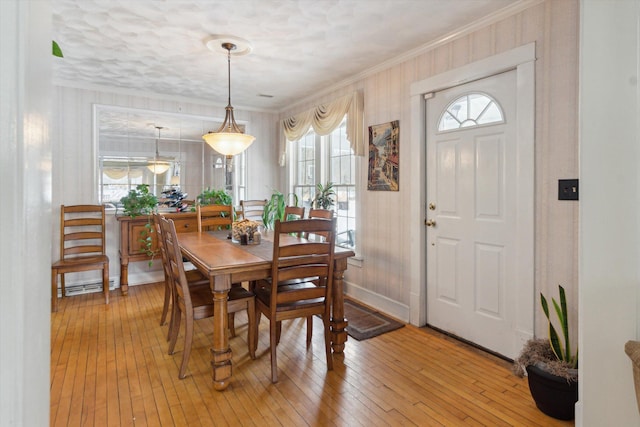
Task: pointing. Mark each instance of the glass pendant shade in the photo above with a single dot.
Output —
(228, 143)
(158, 167)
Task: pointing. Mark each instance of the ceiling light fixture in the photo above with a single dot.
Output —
(228, 139)
(158, 167)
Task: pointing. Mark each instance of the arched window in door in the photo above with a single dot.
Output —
(470, 110)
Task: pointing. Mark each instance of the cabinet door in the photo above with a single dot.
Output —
(138, 233)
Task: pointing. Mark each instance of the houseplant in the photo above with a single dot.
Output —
(551, 366)
(324, 196)
(210, 196)
(141, 201)
(274, 208)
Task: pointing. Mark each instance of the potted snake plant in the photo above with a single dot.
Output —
(551, 365)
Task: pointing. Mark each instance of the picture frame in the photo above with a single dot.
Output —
(384, 167)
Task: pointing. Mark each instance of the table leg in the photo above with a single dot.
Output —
(338, 322)
(221, 352)
(124, 277)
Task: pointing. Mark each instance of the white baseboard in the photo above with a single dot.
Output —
(93, 285)
(377, 301)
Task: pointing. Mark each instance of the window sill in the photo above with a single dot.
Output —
(355, 261)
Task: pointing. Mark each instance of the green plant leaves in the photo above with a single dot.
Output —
(324, 196)
(55, 49)
(561, 311)
(214, 197)
(139, 201)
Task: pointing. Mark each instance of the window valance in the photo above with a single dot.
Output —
(119, 173)
(324, 119)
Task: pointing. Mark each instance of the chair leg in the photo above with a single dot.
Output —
(105, 282)
(309, 330)
(231, 322)
(256, 326)
(327, 342)
(62, 289)
(167, 300)
(251, 334)
(175, 328)
(278, 331)
(273, 326)
(186, 352)
(54, 290)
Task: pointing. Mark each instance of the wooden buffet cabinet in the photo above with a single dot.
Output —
(132, 231)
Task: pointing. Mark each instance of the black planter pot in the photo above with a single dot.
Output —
(555, 396)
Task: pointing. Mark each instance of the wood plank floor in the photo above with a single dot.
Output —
(110, 367)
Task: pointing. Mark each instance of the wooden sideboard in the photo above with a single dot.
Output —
(132, 231)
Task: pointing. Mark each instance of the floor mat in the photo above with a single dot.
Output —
(365, 323)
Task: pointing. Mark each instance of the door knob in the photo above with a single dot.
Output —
(430, 223)
(432, 206)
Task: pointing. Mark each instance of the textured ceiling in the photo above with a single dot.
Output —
(300, 47)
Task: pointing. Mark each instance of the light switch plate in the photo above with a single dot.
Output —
(567, 189)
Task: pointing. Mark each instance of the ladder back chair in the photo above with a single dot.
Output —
(293, 213)
(301, 281)
(252, 209)
(321, 213)
(194, 278)
(82, 247)
(214, 217)
(197, 302)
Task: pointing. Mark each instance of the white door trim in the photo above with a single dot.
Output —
(521, 59)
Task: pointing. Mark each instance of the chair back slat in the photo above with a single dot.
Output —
(252, 209)
(298, 258)
(214, 216)
(320, 213)
(82, 231)
(293, 212)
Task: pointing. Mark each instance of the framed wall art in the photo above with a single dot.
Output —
(384, 170)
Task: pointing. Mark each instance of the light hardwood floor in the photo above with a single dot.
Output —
(110, 367)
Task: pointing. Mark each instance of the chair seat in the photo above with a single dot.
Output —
(263, 293)
(201, 298)
(81, 260)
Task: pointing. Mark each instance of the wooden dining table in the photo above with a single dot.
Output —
(225, 262)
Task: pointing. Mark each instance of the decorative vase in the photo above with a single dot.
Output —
(555, 396)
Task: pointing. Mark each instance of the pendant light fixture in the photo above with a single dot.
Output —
(158, 166)
(228, 139)
(175, 179)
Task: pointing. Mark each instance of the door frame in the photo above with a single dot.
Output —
(522, 59)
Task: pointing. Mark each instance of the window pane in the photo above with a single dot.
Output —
(335, 165)
(470, 110)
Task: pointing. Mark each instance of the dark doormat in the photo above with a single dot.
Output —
(365, 323)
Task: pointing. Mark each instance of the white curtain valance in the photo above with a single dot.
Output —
(119, 173)
(324, 119)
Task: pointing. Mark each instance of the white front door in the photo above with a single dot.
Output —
(473, 186)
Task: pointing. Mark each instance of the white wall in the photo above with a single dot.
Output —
(384, 280)
(74, 162)
(25, 174)
(610, 211)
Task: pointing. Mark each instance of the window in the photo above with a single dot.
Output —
(318, 159)
(474, 109)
